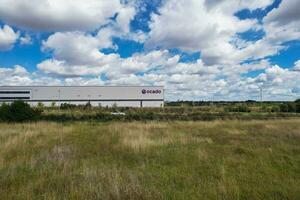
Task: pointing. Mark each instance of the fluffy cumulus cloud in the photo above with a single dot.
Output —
(297, 66)
(283, 24)
(181, 80)
(57, 15)
(218, 74)
(8, 38)
(230, 67)
(26, 40)
(18, 75)
(78, 48)
(78, 54)
(207, 26)
(160, 67)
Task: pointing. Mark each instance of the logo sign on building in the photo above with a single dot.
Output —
(144, 91)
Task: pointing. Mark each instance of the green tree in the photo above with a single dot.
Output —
(88, 106)
(297, 102)
(284, 107)
(18, 111)
(40, 105)
(53, 104)
(291, 107)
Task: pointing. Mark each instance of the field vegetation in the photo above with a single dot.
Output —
(227, 159)
(19, 111)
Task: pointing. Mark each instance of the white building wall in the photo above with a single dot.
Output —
(150, 104)
(128, 96)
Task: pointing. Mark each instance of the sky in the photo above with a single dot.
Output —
(197, 49)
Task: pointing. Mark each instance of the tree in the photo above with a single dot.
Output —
(88, 105)
(284, 107)
(297, 102)
(40, 105)
(53, 104)
(291, 107)
(18, 111)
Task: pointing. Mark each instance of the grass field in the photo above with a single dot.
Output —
(151, 160)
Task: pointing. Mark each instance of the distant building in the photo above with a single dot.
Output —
(120, 96)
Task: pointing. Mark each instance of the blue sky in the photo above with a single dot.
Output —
(197, 49)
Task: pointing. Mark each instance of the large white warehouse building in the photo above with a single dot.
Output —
(123, 96)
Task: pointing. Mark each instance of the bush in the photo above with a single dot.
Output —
(18, 111)
(298, 107)
(284, 108)
(53, 105)
(66, 106)
(275, 109)
(40, 105)
(291, 107)
(288, 107)
(238, 108)
(88, 106)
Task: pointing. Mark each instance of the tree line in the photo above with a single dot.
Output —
(20, 111)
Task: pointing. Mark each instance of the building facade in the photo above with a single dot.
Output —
(120, 96)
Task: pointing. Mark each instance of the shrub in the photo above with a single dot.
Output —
(291, 107)
(275, 109)
(53, 105)
(238, 108)
(243, 108)
(4, 111)
(88, 106)
(65, 106)
(284, 108)
(40, 105)
(18, 111)
(298, 107)
(288, 107)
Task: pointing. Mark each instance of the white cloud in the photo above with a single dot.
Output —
(287, 12)
(283, 24)
(18, 75)
(26, 40)
(78, 54)
(78, 48)
(83, 81)
(8, 38)
(297, 65)
(62, 68)
(67, 15)
(209, 83)
(97, 63)
(231, 6)
(77, 57)
(209, 27)
(125, 15)
(193, 80)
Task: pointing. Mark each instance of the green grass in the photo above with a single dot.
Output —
(151, 160)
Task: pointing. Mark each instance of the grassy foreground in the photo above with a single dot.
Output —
(151, 160)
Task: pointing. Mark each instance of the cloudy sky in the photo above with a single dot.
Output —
(197, 49)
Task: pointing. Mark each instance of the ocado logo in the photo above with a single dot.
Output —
(151, 91)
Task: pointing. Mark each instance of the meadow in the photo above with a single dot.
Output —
(220, 159)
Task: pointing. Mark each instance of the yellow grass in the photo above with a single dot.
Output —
(151, 160)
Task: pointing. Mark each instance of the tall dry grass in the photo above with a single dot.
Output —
(151, 160)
